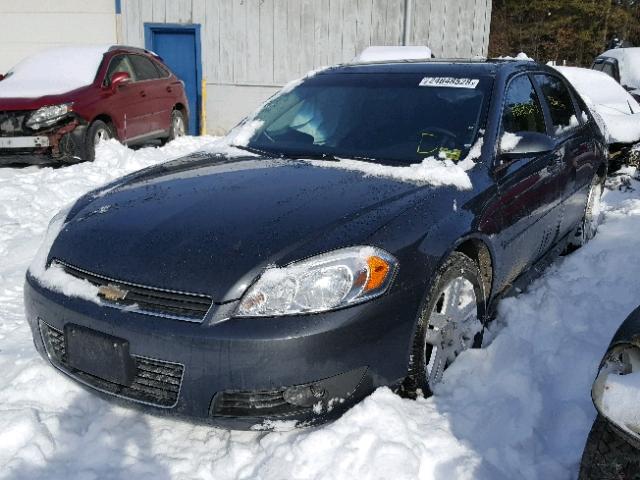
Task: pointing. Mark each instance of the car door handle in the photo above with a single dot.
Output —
(143, 93)
(169, 89)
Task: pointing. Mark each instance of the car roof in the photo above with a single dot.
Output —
(443, 66)
(128, 49)
(620, 53)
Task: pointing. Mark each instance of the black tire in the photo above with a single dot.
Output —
(456, 266)
(607, 456)
(586, 231)
(97, 130)
(177, 118)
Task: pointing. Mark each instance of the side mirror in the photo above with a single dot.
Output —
(118, 79)
(525, 144)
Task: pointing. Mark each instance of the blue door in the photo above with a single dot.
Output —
(179, 47)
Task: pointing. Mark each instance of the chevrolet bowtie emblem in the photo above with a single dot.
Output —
(112, 293)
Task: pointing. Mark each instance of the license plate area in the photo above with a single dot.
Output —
(98, 354)
(24, 142)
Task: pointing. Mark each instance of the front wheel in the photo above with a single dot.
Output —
(449, 323)
(591, 219)
(97, 132)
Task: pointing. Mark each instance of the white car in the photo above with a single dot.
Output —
(623, 65)
(615, 110)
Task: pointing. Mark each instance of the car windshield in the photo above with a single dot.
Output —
(402, 118)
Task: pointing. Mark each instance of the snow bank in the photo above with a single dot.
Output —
(617, 112)
(520, 408)
(53, 71)
(390, 53)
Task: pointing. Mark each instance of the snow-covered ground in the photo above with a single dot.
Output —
(519, 408)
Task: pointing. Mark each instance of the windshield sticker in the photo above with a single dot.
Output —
(427, 144)
(449, 82)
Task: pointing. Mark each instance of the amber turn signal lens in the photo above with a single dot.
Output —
(379, 268)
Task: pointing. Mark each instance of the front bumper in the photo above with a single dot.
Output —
(65, 142)
(234, 373)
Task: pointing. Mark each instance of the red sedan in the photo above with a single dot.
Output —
(57, 104)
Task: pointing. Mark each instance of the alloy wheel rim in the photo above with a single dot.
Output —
(178, 126)
(100, 136)
(452, 327)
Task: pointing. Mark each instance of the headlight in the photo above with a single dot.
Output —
(47, 116)
(324, 282)
(39, 262)
(617, 386)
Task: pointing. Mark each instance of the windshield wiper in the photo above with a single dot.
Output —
(312, 156)
(293, 156)
(257, 151)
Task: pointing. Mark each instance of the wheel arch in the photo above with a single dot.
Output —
(109, 121)
(479, 250)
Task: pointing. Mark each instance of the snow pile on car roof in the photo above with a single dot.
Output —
(615, 110)
(53, 72)
(391, 53)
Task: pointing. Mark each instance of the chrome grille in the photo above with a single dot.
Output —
(156, 383)
(148, 300)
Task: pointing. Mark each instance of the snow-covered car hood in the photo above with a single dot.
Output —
(615, 110)
(211, 226)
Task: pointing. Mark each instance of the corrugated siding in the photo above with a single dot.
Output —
(269, 42)
(27, 27)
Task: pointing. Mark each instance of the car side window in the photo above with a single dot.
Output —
(522, 111)
(562, 109)
(120, 63)
(608, 69)
(144, 68)
(162, 70)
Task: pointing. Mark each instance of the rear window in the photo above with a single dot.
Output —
(144, 67)
(560, 102)
(403, 118)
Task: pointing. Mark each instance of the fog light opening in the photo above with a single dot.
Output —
(304, 395)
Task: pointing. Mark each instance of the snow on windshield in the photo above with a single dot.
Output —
(53, 72)
(437, 172)
(617, 112)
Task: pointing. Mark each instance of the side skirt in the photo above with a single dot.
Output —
(525, 279)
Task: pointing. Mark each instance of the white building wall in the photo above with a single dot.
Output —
(28, 26)
(252, 47)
